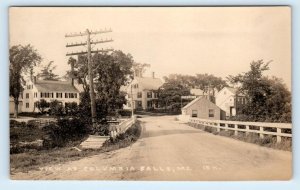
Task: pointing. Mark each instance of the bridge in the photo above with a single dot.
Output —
(172, 150)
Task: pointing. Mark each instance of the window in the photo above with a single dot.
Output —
(149, 94)
(211, 113)
(135, 86)
(194, 113)
(58, 95)
(66, 95)
(139, 104)
(27, 95)
(139, 94)
(75, 95)
(129, 104)
(35, 95)
(27, 105)
(149, 104)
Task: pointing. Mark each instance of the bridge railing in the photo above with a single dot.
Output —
(121, 127)
(274, 129)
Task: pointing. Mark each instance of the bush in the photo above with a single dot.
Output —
(101, 129)
(124, 113)
(66, 132)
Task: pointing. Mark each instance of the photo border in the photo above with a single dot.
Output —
(6, 183)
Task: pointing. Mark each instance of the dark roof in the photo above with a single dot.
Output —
(54, 86)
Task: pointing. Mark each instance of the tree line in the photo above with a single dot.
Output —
(268, 98)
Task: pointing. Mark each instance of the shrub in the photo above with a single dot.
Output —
(101, 129)
(124, 113)
(66, 132)
(56, 108)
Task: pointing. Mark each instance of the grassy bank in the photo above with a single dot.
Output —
(32, 160)
(267, 141)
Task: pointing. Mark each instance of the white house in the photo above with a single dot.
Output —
(62, 91)
(228, 100)
(142, 92)
(202, 108)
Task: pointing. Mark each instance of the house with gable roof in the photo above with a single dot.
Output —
(202, 108)
(142, 92)
(229, 99)
(35, 90)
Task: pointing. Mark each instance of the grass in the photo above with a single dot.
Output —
(267, 141)
(32, 160)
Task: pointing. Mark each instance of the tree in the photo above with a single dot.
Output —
(201, 81)
(22, 60)
(140, 68)
(111, 71)
(169, 95)
(268, 99)
(42, 105)
(47, 72)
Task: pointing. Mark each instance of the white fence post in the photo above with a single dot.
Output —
(226, 126)
(278, 135)
(261, 129)
(236, 129)
(247, 130)
(218, 128)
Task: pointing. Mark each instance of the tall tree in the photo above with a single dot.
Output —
(111, 71)
(22, 60)
(47, 72)
(169, 95)
(268, 99)
(140, 68)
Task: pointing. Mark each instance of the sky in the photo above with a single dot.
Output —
(183, 40)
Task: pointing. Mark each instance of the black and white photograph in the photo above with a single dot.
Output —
(150, 93)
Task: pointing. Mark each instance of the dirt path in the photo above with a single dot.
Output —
(170, 150)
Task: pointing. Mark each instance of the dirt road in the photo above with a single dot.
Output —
(170, 150)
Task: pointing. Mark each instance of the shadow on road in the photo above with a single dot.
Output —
(147, 134)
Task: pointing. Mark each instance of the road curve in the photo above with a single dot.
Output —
(169, 150)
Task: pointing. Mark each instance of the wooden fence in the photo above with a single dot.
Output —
(274, 129)
(116, 129)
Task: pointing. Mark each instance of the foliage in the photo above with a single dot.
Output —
(140, 68)
(268, 99)
(170, 94)
(56, 108)
(22, 60)
(201, 81)
(71, 108)
(112, 71)
(42, 105)
(47, 72)
(65, 132)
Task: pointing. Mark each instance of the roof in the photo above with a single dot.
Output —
(54, 86)
(192, 102)
(233, 90)
(149, 83)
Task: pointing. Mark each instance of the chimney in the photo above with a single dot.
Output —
(34, 79)
(153, 74)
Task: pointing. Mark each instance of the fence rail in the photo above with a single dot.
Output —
(274, 129)
(121, 127)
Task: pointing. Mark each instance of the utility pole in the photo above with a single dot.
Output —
(90, 64)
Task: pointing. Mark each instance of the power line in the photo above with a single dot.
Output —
(89, 52)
